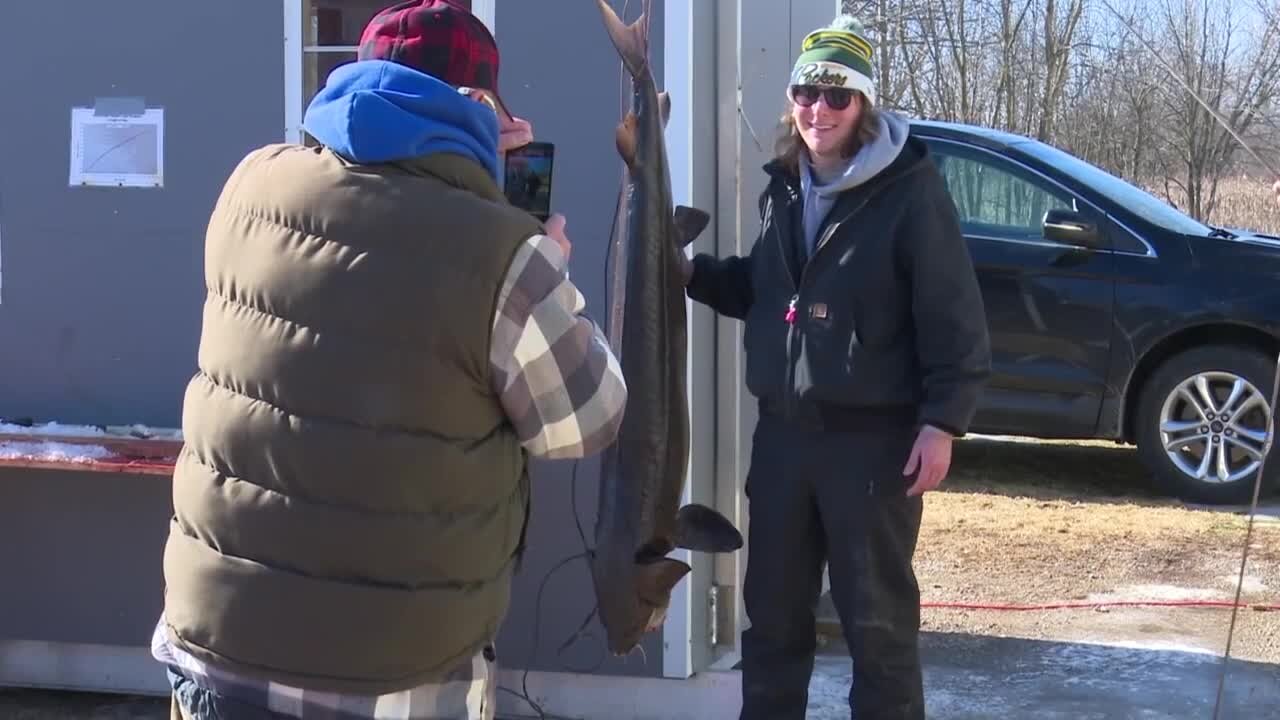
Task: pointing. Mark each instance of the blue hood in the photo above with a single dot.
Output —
(375, 111)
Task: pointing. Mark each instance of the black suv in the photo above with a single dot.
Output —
(1115, 316)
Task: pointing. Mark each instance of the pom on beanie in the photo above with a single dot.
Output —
(838, 55)
(847, 23)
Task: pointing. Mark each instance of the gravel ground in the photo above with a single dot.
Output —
(1049, 523)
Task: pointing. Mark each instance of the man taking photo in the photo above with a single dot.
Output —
(385, 341)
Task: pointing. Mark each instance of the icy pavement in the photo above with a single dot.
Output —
(981, 678)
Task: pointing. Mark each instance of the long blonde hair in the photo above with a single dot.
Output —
(789, 144)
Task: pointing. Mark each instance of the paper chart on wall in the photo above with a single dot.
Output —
(117, 151)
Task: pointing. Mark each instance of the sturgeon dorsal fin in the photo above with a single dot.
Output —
(689, 224)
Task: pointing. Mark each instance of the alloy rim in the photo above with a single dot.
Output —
(1214, 427)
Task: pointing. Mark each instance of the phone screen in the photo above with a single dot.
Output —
(527, 178)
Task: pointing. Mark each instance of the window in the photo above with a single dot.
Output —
(1129, 196)
(327, 36)
(995, 199)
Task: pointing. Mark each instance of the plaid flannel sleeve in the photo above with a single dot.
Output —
(552, 368)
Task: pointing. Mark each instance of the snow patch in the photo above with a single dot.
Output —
(1251, 583)
(139, 430)
(52, 428)
(136, 430)
(1150, 645)
(53, 452)
(1025, 440)
(1139, 593)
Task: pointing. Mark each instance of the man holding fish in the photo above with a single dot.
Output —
(866, 345)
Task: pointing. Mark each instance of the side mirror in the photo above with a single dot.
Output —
(1071, 228)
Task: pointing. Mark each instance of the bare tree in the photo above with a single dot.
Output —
(1058, 34)
(1236, 79)
(1074, 74)
(1010, 28)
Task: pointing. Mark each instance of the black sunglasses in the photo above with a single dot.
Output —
(806, 95)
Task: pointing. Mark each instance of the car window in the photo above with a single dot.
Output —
(995, 199)
(1129, 196)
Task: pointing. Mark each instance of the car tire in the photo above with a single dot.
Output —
(1173, 434)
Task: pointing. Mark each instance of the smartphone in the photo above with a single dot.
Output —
(527, 178)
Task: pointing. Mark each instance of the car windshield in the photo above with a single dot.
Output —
(1135, 199)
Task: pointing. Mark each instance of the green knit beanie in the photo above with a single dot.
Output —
(838, 55)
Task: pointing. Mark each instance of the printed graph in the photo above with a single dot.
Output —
(117, 151)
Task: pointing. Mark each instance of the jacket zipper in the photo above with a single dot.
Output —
(790, 316)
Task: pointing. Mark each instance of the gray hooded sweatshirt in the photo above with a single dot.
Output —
(820, 192)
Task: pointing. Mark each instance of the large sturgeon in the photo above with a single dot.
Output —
(640, 518)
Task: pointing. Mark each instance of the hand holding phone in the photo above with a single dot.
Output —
(527, 178)
(555, 230)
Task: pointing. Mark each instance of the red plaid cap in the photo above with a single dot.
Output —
(438, 37)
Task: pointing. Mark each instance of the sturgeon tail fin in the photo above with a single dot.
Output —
(631, 41)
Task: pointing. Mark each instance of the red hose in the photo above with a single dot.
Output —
(1110, 603)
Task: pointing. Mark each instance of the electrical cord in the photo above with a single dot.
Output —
(1275, 389)
(1085, 605)
(1248, 538)
(1235, 605)
(587, 551)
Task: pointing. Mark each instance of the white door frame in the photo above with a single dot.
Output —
(293, 71)
(680, 643)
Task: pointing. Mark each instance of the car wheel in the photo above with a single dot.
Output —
(1203, 423)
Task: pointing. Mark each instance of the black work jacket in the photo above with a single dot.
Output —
(884, 323)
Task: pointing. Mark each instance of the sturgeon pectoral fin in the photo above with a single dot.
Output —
(689, 223)
(701, 529)
(664, 102)
(626, 139)
(654, 580)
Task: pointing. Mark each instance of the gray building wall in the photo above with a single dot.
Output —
(102, 288)
(560, 71)
(100, 306)
(81, 556)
